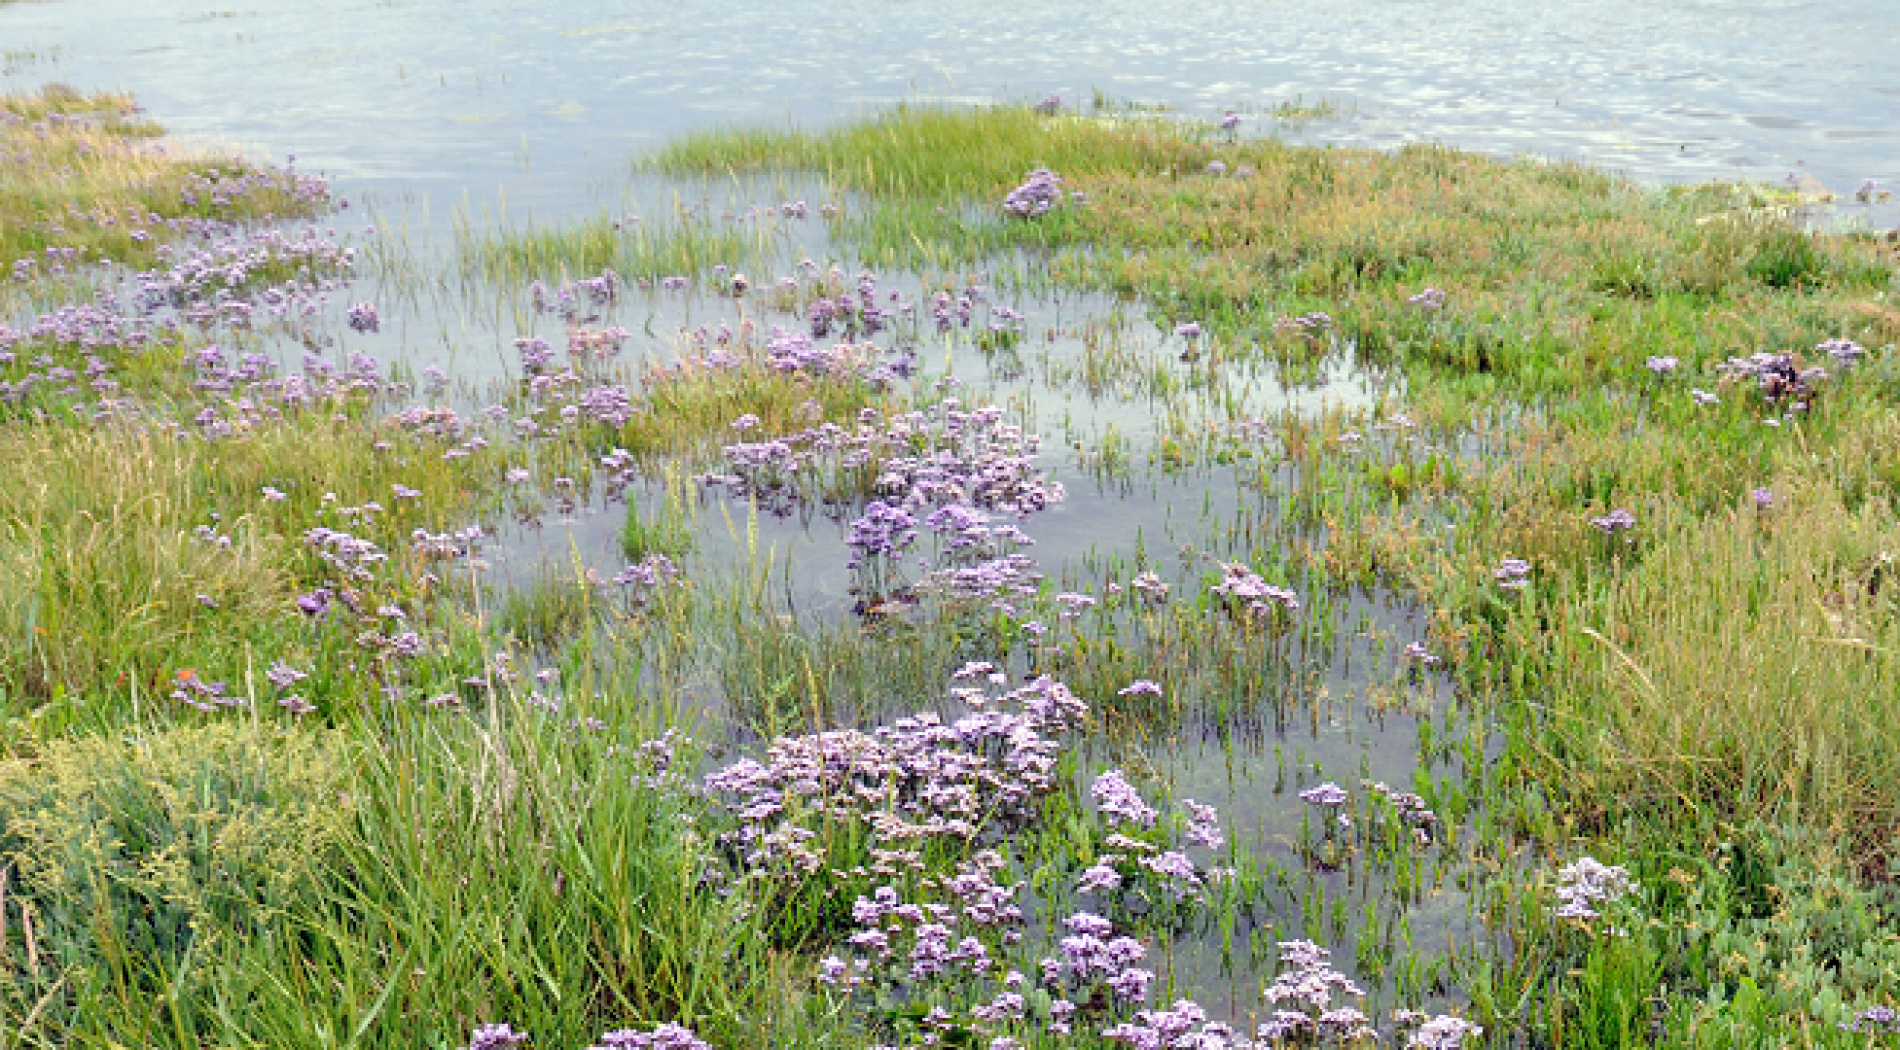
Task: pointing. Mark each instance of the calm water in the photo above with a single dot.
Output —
(442, 100)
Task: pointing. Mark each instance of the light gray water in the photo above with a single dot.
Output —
(545, 102)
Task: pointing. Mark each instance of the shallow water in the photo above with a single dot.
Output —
(432, 101)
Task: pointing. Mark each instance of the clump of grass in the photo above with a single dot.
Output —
(935, 153)
(1552, 271)
(131, 555)
(685, 244)
(137, 869)
(83, 178)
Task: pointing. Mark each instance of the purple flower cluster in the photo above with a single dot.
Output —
(1843, 352)
(1305, 326)
(1778, 377)
(1512, 574)
(664, 1037)
(1430, 300)
(1120, 802)
(1241, 588)
(1093, 956)
(647, 576)
(1618, 520)
(1039, 194)
(353, 557)
(1183, 1026)
(1875, 1020)
(1328, 795)
(203, 695)
(496, 1037)
(1585, 886)
(1442, 1032)
(363, 318)
(917, 779)
(1302, 997)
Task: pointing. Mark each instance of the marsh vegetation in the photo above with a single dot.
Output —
(1403, 598)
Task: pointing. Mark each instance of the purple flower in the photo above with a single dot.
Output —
(1764, 499)
(283, 676)
(665, 1037)
(1229, 120)
(316, 603)
(1584, 885)
(1512, 573)
(1874, 1020)
(1444, 1032)
(1190, 330)
(1618, 520)
(1039, 194)
(363, 318)
(1099, 878)
(1328, 794)
(1119, 801)
(496, 1037)
(1050, 105)
(1662, 366)
(1418, 654)
(1140, 687)
(1844, 351)
(1429, 300)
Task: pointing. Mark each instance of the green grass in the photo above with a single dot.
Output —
(1707, 703)
(86, 174)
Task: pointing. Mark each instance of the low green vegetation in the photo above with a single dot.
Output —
(302, 751)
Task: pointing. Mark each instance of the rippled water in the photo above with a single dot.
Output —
(545, 101)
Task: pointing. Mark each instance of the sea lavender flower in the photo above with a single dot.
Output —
(1843, 351)
(1119, 800)
(1039, 193)
(1764, 499)
(1429, 300)
(496, 1037)
(1050, 105)
(1216, 168)
(1704, 397)
(1099, 878)
(1140, 687)
(1229, 121)
(1662, 366)
(1189, 331)
(272, 495)
(1203, 825)
(1585, 885)
(316, 603)
(1618, 520)
(363, 318)
(1302, 995)
(1512, 573)
(1443, 1032)
(1418, 654)
(665, 1037)
(1327, 795)
(1874, 1020)
(283, 676)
